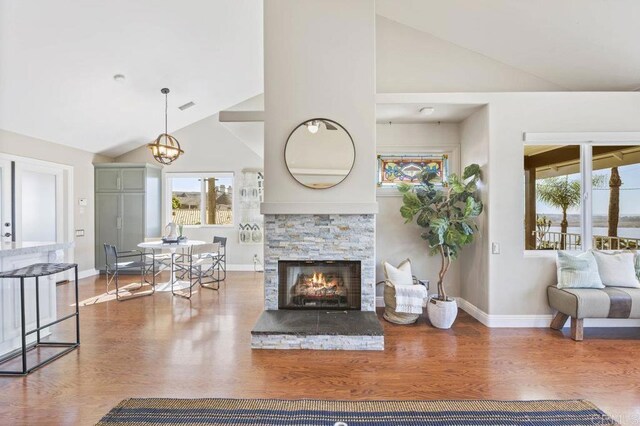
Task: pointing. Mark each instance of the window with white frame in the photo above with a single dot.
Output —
(582, 195)
(197, 199)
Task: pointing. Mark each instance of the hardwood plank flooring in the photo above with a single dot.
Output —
(164, 346)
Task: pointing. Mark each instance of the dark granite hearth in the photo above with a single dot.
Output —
(318, 323)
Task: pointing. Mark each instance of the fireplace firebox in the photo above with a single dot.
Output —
(319, 284)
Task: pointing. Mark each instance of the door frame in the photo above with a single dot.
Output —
(65, 214)
(6, 180)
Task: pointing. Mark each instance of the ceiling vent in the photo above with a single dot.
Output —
(186, 106)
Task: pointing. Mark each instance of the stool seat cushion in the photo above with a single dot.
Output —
(38, 270)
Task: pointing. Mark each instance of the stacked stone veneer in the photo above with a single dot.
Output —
(319, 342)
(320, 237)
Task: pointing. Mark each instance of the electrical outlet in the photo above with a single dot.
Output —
(495, 248)
(79, 232)
(82, 202)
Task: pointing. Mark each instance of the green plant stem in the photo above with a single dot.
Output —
(444, 268)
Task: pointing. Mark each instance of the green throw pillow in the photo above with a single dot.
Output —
(579, 271)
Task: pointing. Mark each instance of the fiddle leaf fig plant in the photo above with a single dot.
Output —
(447, 214)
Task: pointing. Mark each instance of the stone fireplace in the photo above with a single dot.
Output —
(314, 237)
(319, 284)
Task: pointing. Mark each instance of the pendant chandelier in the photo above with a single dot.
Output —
(165, 149)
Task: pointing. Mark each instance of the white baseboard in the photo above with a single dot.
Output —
(88, 273)
(536, 321)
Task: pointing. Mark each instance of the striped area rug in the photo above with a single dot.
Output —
(249, 412)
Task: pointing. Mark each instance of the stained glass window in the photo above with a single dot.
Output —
(396, 168)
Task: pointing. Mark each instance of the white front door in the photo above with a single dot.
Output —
(6, 205)
(38, 203)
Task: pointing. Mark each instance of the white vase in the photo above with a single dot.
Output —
(442, 314)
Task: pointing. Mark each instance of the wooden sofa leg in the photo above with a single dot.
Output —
(577, 329)
(559, 321)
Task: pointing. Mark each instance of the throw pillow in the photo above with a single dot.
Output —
(579, 271)
(617, 269)
(398, 276)
(638, 264)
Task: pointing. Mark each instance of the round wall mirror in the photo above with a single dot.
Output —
(319, 153)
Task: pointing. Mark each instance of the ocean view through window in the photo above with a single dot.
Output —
(562, 181)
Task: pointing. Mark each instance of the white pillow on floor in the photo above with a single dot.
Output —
(398, 276)
(617, 269)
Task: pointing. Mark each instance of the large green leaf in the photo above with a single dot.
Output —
(473, 208)
(472, 170)
(404, 187)
(411, 200)
(407, 213)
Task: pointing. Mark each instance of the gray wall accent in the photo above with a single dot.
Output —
(319, 237)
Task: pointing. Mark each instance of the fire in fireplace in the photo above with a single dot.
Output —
(321, 284)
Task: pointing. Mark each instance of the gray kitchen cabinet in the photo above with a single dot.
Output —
(127, 206)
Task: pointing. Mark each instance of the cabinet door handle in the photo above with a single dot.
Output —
(118, 182)
(118, 223)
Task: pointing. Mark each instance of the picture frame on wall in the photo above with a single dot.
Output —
(406, 168)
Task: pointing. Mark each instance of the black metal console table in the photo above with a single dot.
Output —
(36, 271)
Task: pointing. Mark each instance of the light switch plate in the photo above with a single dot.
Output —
(79, 232)
(495, 248)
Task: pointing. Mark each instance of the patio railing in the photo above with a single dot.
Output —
(548, 240)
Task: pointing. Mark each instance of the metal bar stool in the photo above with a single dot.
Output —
(36, 271)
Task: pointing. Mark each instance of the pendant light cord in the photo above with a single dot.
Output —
(166, 108)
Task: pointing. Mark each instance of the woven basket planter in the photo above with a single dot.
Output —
(390, 313)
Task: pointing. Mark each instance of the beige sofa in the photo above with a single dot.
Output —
(581, 303)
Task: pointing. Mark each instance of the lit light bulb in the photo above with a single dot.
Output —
(313, 126)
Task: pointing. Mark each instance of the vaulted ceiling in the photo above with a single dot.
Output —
(581, 45)
(58, 58)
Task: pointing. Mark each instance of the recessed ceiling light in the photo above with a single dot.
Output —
(427, 110)
(119, 78)
(186, 106)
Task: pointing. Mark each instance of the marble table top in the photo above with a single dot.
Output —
(30, 247)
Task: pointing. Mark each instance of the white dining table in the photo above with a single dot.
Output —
(173, 248)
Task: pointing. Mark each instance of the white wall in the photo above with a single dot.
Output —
(409, 61)
(474, 259)
(211, 147)
(82, 162)
(319, 62)
(395, 240)
(518, 280)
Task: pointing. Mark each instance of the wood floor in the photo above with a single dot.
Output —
(164, 346)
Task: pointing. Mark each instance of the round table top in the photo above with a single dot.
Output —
(159, 244)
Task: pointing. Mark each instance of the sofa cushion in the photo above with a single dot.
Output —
(612, 302)
(617, 269)
(577, 271)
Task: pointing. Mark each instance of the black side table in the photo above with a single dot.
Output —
(35, 271)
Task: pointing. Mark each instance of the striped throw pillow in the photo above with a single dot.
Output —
(579, 271)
